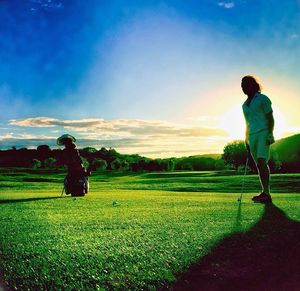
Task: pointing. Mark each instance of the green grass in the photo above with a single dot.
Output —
(159, 226)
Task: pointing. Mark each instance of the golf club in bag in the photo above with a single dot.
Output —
(243, 183)
(76, 182)
(76, 186)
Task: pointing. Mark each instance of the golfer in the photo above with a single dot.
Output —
(258, 114)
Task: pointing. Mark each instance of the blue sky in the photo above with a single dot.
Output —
(159, 78)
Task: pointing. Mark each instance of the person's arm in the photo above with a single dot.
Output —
(267, 108)
(247, 139)
(246, 133)
(271, 122)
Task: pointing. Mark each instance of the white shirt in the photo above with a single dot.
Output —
(255, 113)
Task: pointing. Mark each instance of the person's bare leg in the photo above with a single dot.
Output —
(264, 174)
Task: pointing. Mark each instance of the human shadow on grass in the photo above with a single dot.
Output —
(4, 201)
(266, 257)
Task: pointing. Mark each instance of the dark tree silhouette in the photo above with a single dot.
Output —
(43, 152)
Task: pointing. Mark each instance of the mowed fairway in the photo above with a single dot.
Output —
(129, 232)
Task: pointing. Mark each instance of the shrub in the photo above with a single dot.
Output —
(99, 164)
(36, 163)
(50, 163)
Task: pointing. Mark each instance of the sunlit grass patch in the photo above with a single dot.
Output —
(143, 240)
(119, 236)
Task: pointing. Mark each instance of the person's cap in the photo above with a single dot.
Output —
(61, 140)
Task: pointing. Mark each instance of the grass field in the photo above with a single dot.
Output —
(140, 231)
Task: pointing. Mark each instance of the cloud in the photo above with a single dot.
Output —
(46, 4)
(226, 5)
(34, 122)
(151, 138)
(23, 136)
(100, 128)
(8, 141)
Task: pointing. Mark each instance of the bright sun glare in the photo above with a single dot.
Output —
(232, 121)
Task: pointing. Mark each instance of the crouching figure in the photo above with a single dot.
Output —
(76, 182)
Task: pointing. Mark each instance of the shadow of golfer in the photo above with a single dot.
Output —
(237, 227)
(267, 257)
(4, 201)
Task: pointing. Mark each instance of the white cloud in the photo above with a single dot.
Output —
(33, 122)
(101, 128)
(226, 5)
(152, 138)
(24, 136)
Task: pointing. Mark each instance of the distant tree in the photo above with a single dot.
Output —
(43, 152)
(152, 165)
(84, 162)
(103, 150)
(99, 164)
(187, 165)
(142, 164)
(235, 154)
(22, 150)
(275, 163)
(134, 166)
(171, 165)
(115, 164)
(291, 164)
(124, 165)
(89, 153)
(137, 163)
(202, 163)
(219, 164)
(89, 150)
(285, 155)
(50, 163)
(163, 164)
(36, 163)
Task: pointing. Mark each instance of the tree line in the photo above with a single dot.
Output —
(105, 159)
(284, 158)
(284, 155)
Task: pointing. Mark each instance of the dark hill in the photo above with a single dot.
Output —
(287, 148)
(286, 154)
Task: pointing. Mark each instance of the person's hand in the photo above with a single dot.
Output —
(270, 138)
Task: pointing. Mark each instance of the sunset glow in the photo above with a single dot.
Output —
(157, 79)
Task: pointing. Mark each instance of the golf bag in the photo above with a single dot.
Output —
(76, 185)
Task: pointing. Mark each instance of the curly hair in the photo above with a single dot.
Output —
(252, 81)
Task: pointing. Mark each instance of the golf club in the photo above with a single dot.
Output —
(243, 183)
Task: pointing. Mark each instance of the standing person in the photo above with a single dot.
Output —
(258, 114)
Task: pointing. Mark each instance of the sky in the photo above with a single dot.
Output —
(156, 78)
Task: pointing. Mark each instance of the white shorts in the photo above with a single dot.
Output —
(258, 145)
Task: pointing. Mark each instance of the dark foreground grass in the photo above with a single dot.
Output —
(266, 257)
(117, 238)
